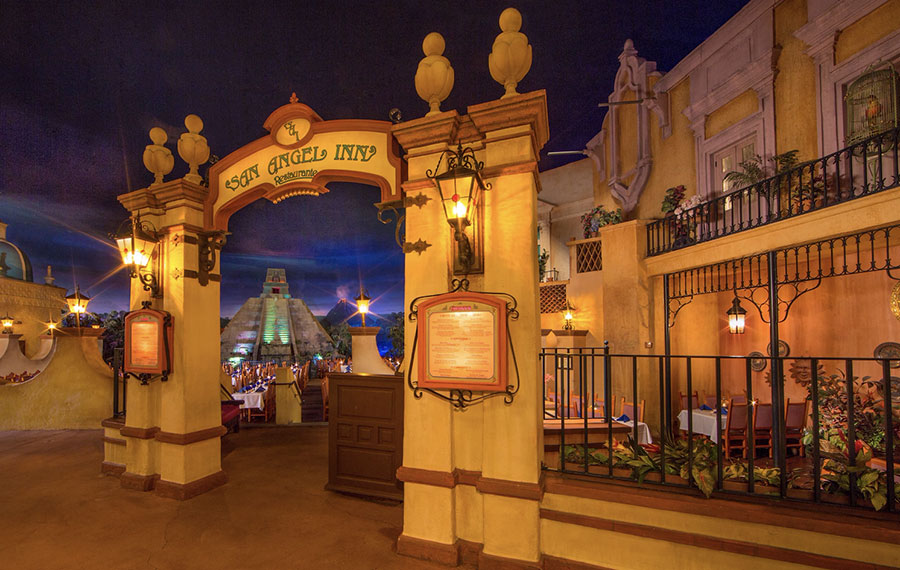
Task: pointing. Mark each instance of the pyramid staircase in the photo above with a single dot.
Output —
(312, 402)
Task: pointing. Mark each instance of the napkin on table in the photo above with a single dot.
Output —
(623, 418)
(706, 408)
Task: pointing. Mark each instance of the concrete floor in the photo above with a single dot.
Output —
(58, 512)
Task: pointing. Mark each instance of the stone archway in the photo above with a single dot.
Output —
(172, 428)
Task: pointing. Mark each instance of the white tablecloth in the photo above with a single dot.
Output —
(643, 432)
(251, 400)
(704, 422)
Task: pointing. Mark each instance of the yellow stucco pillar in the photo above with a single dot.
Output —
(180, 419)
(469, 475)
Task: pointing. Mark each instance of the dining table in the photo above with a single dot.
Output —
(251, 400)
(704, 422)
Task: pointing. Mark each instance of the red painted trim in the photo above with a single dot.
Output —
(712, 543)
(426, 477)
(515, 489)
(428, 550)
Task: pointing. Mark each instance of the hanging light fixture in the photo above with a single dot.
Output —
(362, 304)
(460, 187)
(568, 316)
(136, 241)
(736, 317)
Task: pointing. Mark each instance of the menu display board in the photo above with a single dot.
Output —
(463, 340)
(145, 344)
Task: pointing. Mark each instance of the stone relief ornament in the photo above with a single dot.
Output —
(157, 158)
(434, 76)
(510, 57)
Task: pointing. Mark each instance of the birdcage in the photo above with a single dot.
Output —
(871, 105)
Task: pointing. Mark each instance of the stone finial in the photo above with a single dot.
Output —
(157, 158)
(192, 148)
(434, 76)
(49, 278)
(510, 57)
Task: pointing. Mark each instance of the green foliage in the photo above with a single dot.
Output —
(840, 462)
(396, 331)
(753, 170)
(114, 335)
(543, 258)
(673, 198)
(599, 217)
(340, 336)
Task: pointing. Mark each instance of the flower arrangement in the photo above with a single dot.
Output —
(688, 204)
(597, 218)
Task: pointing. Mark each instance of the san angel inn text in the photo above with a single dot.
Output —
(346, 152)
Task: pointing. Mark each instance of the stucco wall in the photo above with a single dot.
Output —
(73, 392)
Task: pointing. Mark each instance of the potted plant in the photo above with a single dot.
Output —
(543, 258)
(597, 218)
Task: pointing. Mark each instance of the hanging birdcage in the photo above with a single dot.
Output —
(871, 105)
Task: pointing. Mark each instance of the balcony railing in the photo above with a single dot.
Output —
(865, 168)
(836, 445)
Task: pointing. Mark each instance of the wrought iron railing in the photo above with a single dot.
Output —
(837, 445)
(120, 397)
(865, 168)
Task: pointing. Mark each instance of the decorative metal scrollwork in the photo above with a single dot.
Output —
(207, 245)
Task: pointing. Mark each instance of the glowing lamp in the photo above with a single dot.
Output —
(362, 305)
(568, 315)
(7, 323)
(136, 241)
(77, 302)
(736, 317)
(460, 187)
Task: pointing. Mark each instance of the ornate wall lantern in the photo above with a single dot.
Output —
(461, 188)
(568, 316)
(137, 241)
(362, 304)
(7, 323)
(736, 317)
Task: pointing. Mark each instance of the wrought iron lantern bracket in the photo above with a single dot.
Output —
(207, 245)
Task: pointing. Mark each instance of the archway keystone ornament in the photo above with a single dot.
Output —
(300, 155)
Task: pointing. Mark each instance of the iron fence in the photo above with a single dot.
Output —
(120, 386)
(738, 439)
(862, 169)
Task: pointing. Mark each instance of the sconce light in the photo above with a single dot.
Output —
(461, 187)
(7, 323)
(568, 315)
(736, 317)
(362, 304)
(137, 241)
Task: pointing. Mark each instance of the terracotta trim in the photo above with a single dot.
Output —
(464, 477)
(703, 541)
(137, 482)
(468, 551)
(192, 437)
(116, 423)
(428, 550)
(881, 527)
(139, 433)
(554, 563)
(426, 477)
(110, 468)
(492, 562)
(185, 491)
(113, 440)
(570, 332)
(515, 489)
(364, 331)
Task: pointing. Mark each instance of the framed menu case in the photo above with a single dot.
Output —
(463, 342)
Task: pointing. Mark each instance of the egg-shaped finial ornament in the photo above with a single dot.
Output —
(510, 57)
(434, 76)
(157, 158)
(192, 148)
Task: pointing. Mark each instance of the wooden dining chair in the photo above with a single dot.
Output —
(695, 401)
(599, 408)
(710, 400)
(574, 408)
(735, 436)
(762, 427)
(739, 398)
(794, 422)
(632, 411)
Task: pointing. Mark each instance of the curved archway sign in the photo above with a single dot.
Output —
(299, 156)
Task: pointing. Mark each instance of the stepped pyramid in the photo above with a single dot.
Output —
(273, 326)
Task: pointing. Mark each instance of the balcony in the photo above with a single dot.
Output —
(862, 169)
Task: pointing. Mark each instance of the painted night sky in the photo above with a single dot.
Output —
(84, 82)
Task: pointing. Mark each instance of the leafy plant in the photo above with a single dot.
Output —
(673, 198)
(840, 463)
(753, 170)
(599, 217)
(543, 258)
